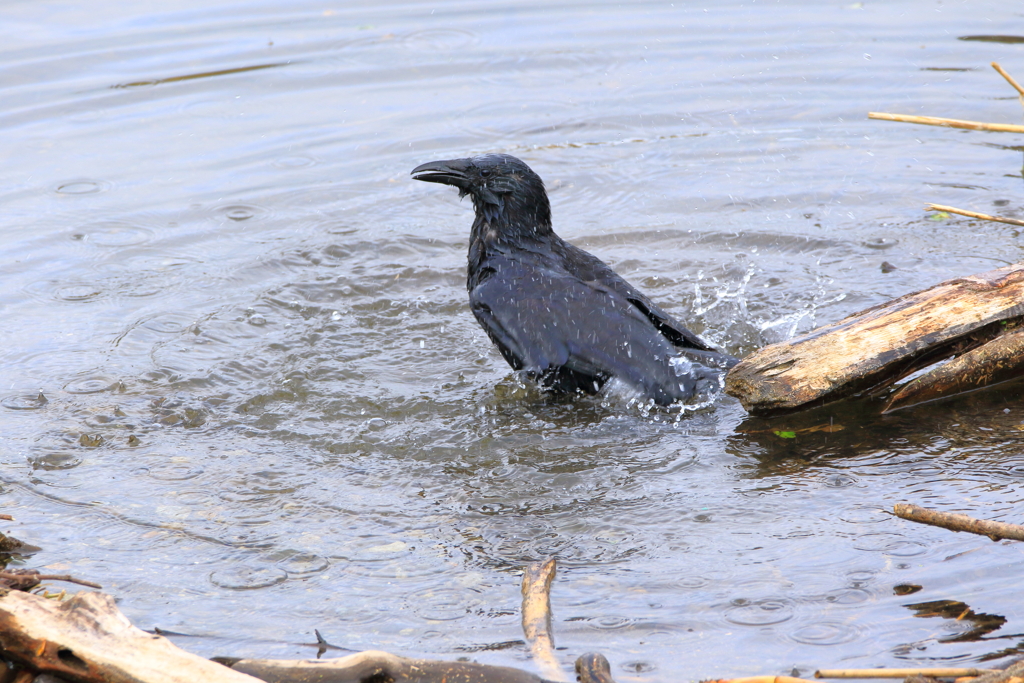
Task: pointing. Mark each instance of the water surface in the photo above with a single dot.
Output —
(243, 389)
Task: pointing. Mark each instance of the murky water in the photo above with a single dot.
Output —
(265, 407)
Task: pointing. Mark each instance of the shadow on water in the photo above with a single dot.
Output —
(845, 431)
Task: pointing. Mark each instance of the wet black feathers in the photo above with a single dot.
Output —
(556, 312)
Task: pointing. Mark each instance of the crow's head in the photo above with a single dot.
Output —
(503, 188)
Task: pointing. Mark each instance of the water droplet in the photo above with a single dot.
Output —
(24, 401)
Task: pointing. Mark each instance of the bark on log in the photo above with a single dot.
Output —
(881, 344)
(956, 522)
(87, 640)
(1000, 360)
(373, 665)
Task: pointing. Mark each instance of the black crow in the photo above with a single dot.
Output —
(558, 314)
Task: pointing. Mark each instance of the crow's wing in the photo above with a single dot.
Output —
(545, 321)
(588, 267)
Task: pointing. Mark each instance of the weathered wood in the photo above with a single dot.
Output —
(881, 344)
(957, 522)
(87, 640)
(999, 360)
(537, 616)
(373, 665)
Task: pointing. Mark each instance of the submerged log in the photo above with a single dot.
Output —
(378, 666)
(883, 344)
(87, 640)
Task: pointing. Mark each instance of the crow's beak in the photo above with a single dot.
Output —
(449, 172)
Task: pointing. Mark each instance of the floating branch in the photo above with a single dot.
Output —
(948, 123)
(762, 679)
(901, 673)
(537, 616)
(973, 214)
(32, 579)
(1008, 77)
(957, 522)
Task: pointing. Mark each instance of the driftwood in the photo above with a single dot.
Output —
(1009, 78)
(948, 123)
(27, 579)
(762, 679)
(376, 666)
(901, 673)
(1011, 674)
(971, 125)
(955, 522)
(973, 214)
(991, 363)
(88, 640)
(883, 344)
(9, 544)
(537, 616)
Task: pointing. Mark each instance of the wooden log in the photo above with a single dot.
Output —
(373, 665)
(999, 360)
(87, 640)
(879, 345)
(537, 617)
(957, 522)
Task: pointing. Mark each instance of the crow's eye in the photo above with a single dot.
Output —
(485, 172)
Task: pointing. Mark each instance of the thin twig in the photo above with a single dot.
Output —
(49, 577)
(956, 522)
(973, 214)
(949, 123)
(1008, 77)
(900, 673)
(537, 617)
